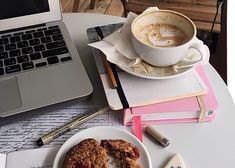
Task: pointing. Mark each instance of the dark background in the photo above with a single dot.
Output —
(14, 8)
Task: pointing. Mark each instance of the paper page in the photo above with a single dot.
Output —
(111, 94)
(23, 134)
(3, 160)
(155, 91)
(34, 158)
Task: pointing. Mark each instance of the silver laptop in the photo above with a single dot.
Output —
(39, 64)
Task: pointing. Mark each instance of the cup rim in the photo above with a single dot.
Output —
(169, 11)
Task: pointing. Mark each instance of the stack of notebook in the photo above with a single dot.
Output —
(186, 98)
(200, 107)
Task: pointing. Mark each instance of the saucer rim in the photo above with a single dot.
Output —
(154, 77)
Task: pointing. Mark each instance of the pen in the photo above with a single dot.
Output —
(157, 136)
(106, 64)
(109, 71)
(69, 126)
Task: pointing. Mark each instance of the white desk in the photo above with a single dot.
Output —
(205, 145)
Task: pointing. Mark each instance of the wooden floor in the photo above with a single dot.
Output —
(108, 7)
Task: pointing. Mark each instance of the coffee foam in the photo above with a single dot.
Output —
(161, 35)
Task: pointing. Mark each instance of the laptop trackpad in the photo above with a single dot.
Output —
(9, 95)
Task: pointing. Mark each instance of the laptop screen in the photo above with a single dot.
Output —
(16, 8)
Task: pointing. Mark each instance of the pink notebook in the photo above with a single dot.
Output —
(176, 111)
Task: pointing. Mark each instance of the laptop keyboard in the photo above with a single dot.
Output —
(34, 48)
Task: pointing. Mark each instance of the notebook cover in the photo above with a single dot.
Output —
(188, 105)
(134, 91)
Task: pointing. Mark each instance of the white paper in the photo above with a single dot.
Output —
(22, 135)
(113, 56)
(121, 39)
(34, 158)
(139, 94)
(3, 158)
(112, 96)
(118, 46)
(18, 139)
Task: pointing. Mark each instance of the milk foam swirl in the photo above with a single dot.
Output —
(161, 35)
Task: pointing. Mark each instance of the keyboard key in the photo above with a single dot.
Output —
(39, 48)
(3, 55)
(53, 27)
(15, 53)
(1, 49)
(22, 59)
(26, 36)
(27, 50)
(34, 42)
(1, 71)
(46, 39)
(12, 69)
(4, 41)
(53, 60)
(18, 33)
(42, 29)
(14, 39)
(57, 37)
(56, 44)
(52, 32)
(9, 47)
(35, 56)
(38, 34)
(30, 31)
(27, 65)
(54, 52)
(9, 61)
(22, 44)
(65, 59)
(41, 64)
(7, 35)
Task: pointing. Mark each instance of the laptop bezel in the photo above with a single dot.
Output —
(54, 14)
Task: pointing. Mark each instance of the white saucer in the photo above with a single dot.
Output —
(164, 72)
(164, 75)
(99, 133)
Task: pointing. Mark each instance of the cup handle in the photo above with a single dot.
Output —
(151, 9)
(199, 46)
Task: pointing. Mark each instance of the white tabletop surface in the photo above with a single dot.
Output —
(204, 145)
(201, 145)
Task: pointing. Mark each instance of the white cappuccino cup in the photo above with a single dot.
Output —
(163, 37)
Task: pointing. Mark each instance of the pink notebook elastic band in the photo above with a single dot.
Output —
(137, 128)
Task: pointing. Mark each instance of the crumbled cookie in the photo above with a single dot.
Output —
(121, 149)
(125, 152)
(87, 154)
(128, 163)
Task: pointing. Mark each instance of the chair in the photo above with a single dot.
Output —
(202, 12)
(76, 5)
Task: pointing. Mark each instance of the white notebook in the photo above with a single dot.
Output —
(140, 92)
